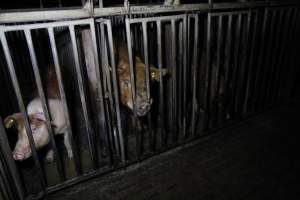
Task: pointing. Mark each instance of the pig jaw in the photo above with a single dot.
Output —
(22, 149)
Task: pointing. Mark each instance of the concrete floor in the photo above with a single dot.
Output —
(255, 159)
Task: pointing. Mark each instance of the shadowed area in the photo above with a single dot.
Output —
(255, 159)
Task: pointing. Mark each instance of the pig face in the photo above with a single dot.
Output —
(143, 104)
(40, 133)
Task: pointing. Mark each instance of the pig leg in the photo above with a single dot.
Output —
(67, 142)
(50, 156)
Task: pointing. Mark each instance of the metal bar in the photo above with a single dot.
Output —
(251, 67)
(228, 13)
(263, 88)
(44, 102)
(194, 71)
(132, 71)
(207, 75)
(184, 35)
(281, 56)
(5, 190)
(218, 74)
(132, 63)
(236, 56)
(76, 13)
(45, 25)
(146, 60)
(174, 82)
(4, 146)
(107, 81)
(285, 76)
(101, 116)
(100, 3)
(153, 19)
(22, 108)
(244, 59)
(82, 92)
(260, 60)
(274, 58)
(115, 86)
(227, 55)
(161, 86)
(63, 97)
(179, 80)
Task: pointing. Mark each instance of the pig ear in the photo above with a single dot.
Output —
(39, 116)
(12, 120)
(154, 73)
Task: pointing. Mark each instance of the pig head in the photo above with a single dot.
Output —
(143, 103)
(39, 131)
(38, 127)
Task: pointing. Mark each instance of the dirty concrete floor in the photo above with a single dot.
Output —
(255, 159)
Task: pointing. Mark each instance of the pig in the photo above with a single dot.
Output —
(37, 122)
(143, 104)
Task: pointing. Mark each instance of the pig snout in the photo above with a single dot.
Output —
(143, 108)
(21, 153)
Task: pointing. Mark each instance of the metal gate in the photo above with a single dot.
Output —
(222, 67)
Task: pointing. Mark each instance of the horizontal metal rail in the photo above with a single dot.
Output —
(77, 13)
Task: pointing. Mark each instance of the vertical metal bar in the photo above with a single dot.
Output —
(194, 72)
(274, 58)
(4, 147)
(22, 108)
(132, 71)
(161, 86)
(260, 61)
(179, 78)
(174, 81)
(107, 81)
(132, 63)
(243, 76)
(101, 116)
(281, 55)
(5, 188)
(115, 86)
(41, 4)
(265, 73)
(235, 76)
(251, 67)
(184, 35)
(207, 75)
(100, 3)
(63, 97)
(286, 76)
(99, 84)
(38, 80)
(82, 92)
(227, 59)
(218, 74)
(146, 59)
